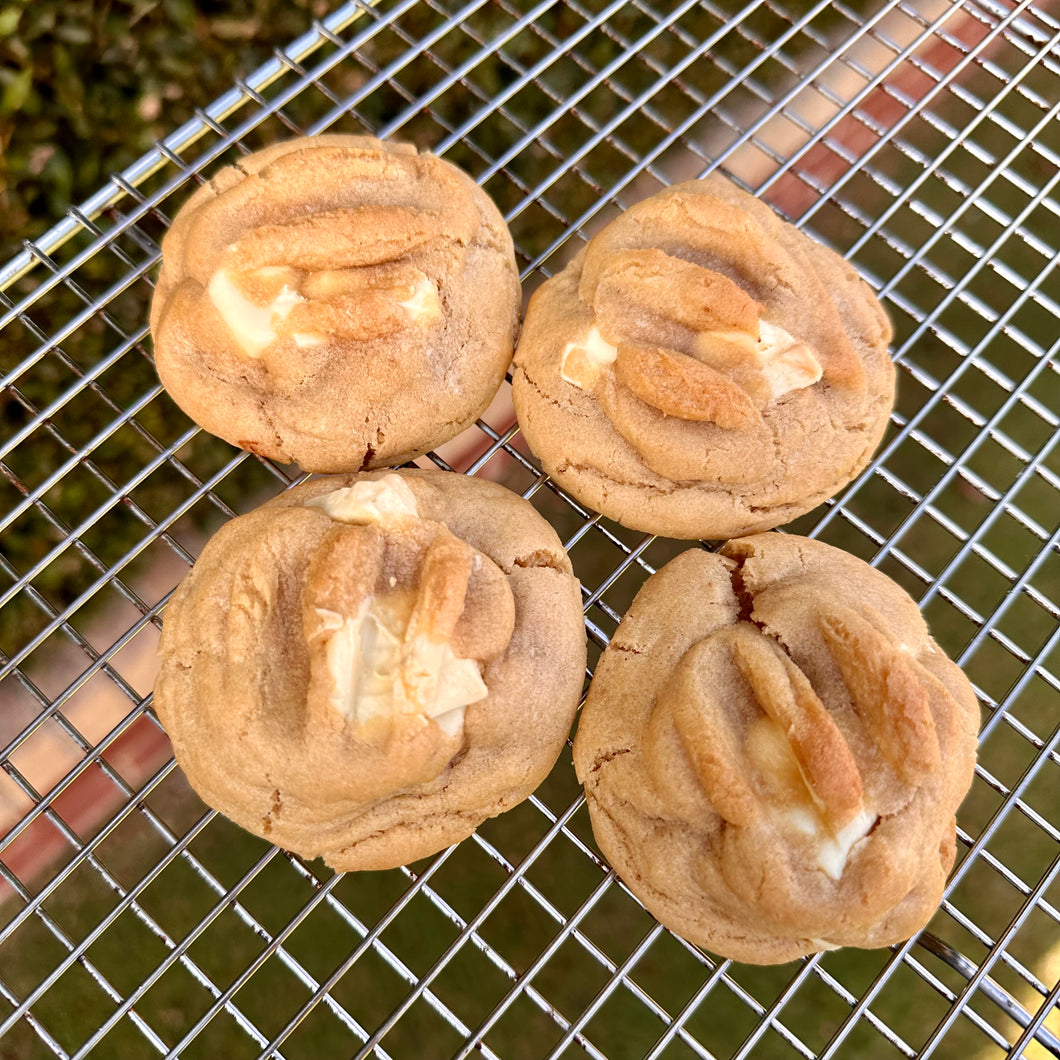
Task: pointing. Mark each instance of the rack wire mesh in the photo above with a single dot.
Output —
(919, 138)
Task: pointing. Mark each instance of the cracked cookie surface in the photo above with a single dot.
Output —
(773, 749)
(702, 369)
(337, 301)
(368, 666)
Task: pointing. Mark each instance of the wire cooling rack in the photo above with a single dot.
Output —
(919, 138)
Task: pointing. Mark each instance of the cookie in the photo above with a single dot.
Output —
(702, 369)
(368, 666)
(336, 301)
(773, 749)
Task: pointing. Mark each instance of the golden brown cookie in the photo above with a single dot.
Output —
(702, 368)
(336, 301)
(773, 749)
(369, 666)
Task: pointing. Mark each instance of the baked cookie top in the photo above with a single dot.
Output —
(367, 667)
(702, 368)
(338, 301)
(773, 749)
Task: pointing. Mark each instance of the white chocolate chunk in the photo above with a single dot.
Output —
(581, 362)
(791, 804)
(785, 362)
(363, 657)
(802, 818)
(436, 682)
(378, 670)
(451, 722)
(423, 305)
(379, 501)
(377, 674)
(833, 848)
(830, 849)
(779, 362)
(307, 338)
(252, 325)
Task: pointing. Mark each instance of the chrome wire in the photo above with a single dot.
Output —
(992, 101)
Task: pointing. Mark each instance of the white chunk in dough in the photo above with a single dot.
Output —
(786, 363)
(253, 325)
(363, 657)
(833, 848)
(377, 674)
(581, 362)
(439, 684)
(423, 305)
(378, 501)
(781, 362)
(792, 806)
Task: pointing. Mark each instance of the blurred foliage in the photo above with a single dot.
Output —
(86, 87)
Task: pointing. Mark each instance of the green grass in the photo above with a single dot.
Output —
(87, 87)
(470, 985)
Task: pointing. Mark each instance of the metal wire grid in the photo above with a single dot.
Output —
(918, 138)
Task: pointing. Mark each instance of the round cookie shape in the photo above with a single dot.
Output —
(336, 301)
(702, 369)
(368, 666)
(773, 749)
